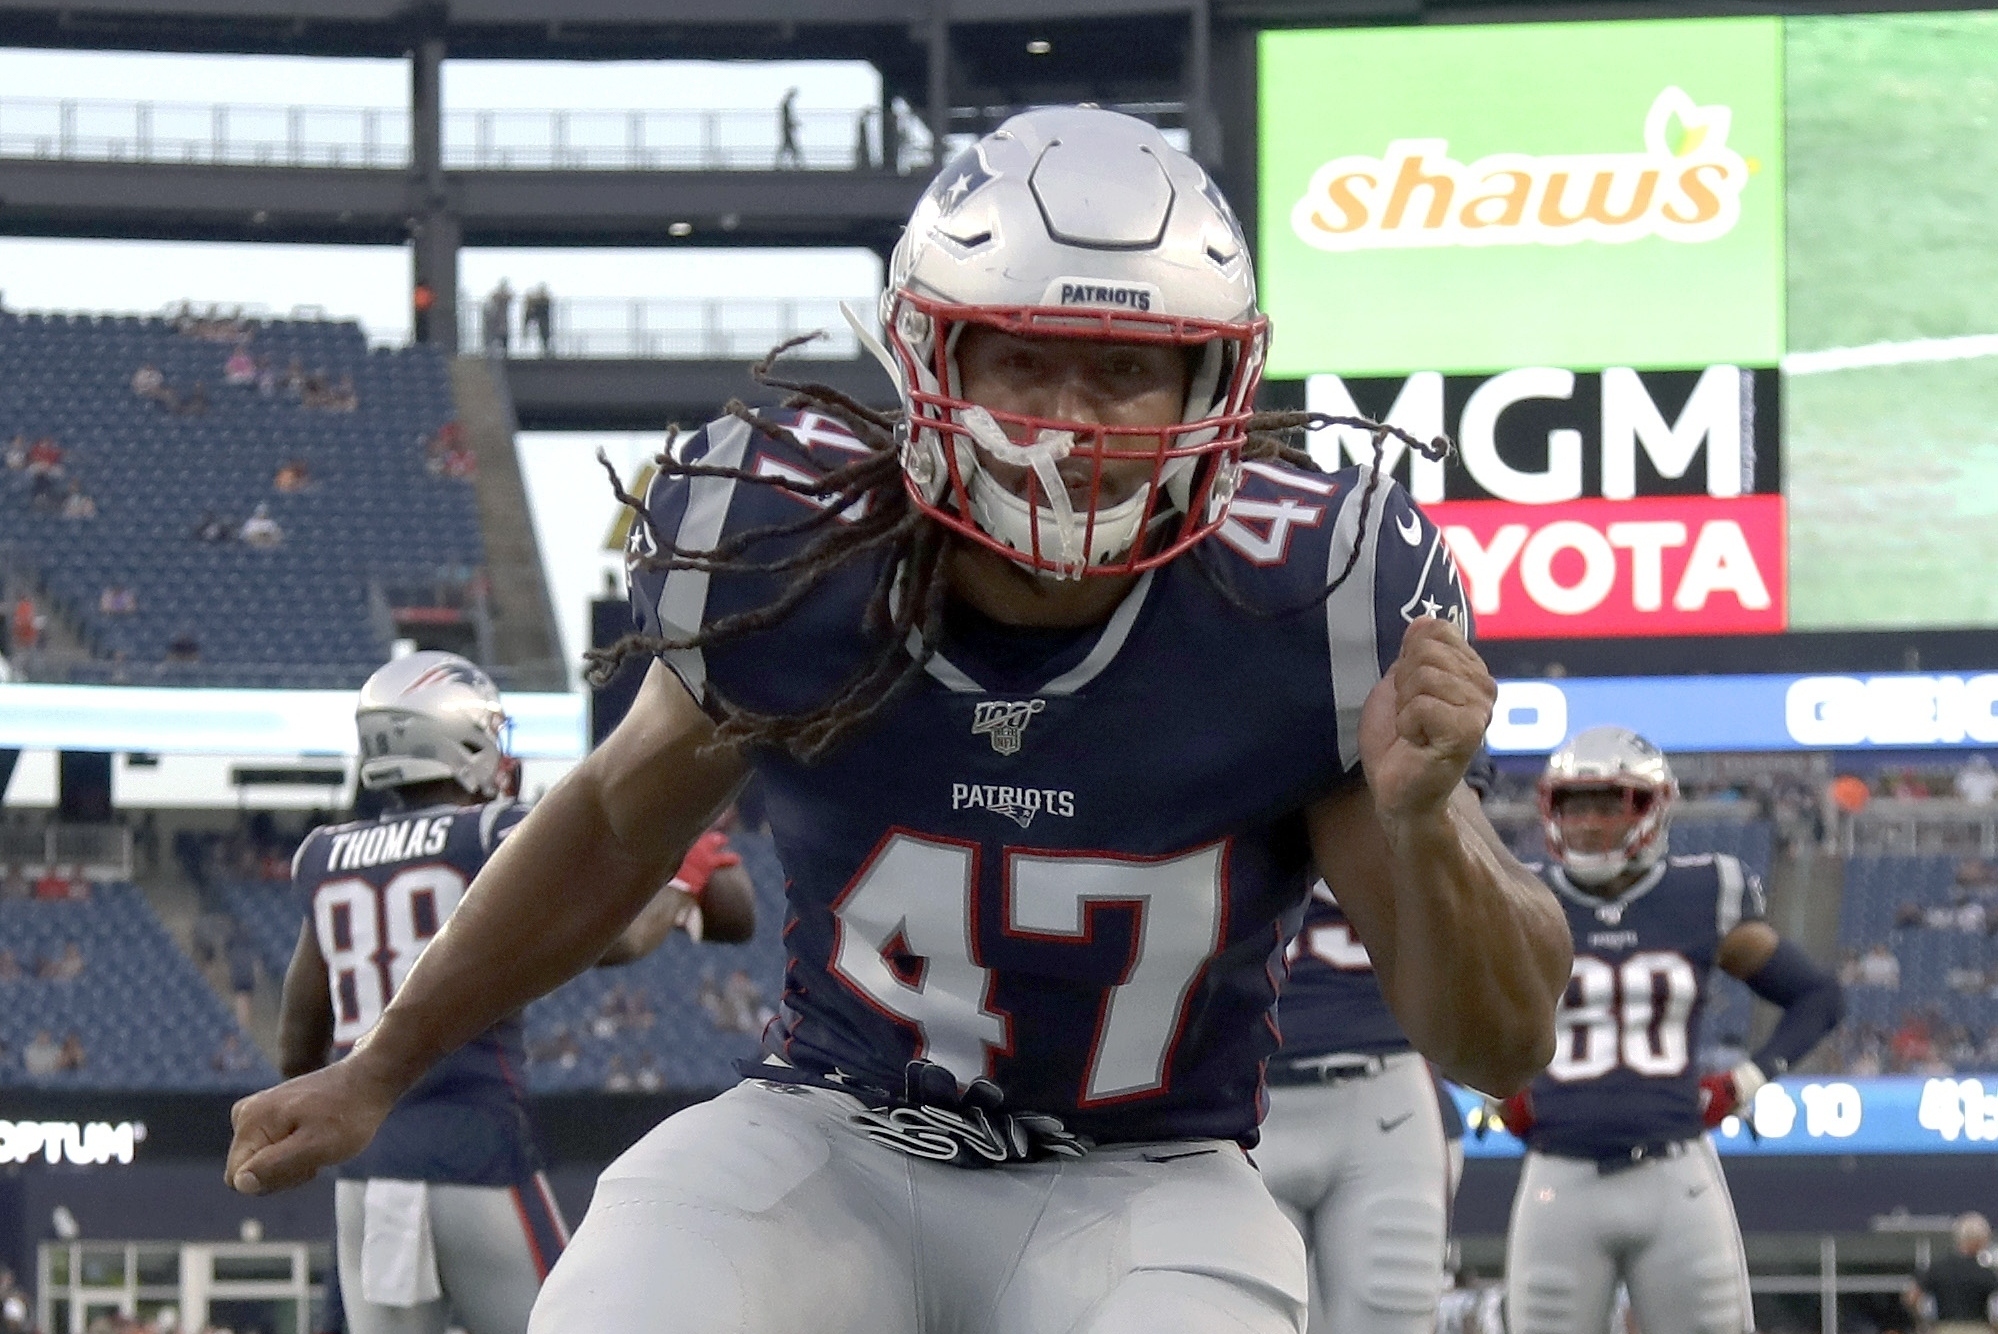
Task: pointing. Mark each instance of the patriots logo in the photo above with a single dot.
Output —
(959, 181)
(1439, 591)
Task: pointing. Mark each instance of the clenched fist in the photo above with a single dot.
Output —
(1425, 720)
(284, 1135)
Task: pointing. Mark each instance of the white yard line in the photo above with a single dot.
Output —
(1963, 348)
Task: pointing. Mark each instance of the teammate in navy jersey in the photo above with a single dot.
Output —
(1057, 687)
(447, 1209)
(1620, 1181)
(1362, 1146)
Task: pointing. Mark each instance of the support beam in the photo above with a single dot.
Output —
(438, 232)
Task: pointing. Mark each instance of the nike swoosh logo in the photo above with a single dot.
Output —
(1410, 529)
(1386, 1124)
(1693, 1192)
(1175, 1157)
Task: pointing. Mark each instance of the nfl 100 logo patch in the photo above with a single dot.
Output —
(1005, 721)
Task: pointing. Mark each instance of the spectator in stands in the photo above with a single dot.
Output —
(422, 298)
(1977, 782)
(14, 885)
(117, 600)
(293, 382)
(149, 382)
(268, 379)
(196, 402)
(788, 152)
(71, 1057)
(64, 967)
(42, 1056)
(241, 368)
(232, 1057)
(650, 1078)
(241, 953)
(344, 397)
(260, 530)
(213, 529)
(10, 968)
(292, 477)
(56, 883)
(13, 1305)
(537, 316)
(183, 647)
(1958, 1291)
(460, 462)
(1879, 967)
(26, 629)
(498, 319)
(618, 1077)
(17, 453)
(77, 504)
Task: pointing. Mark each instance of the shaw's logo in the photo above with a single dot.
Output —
(1685, 185)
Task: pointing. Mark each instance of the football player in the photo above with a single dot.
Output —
(447, 1209)
(1621, 1182)
(1361, 1146)
(1058, 685)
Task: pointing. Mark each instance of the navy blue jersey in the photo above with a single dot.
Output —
(1064, 860)
(1627, 1032)
(380, 890)
(1332, 1001)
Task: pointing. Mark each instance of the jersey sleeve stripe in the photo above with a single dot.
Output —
(683, 600)
(488, 822)
(1349, 616)
(1733, 889)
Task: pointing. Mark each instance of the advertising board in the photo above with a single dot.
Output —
(1505, 232)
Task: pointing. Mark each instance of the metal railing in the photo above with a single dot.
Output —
(103, 851)
(1910, 827)
(227, 134)
(717, 330)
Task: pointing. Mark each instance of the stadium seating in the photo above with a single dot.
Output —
(297, 615)
(144, 1016)
(1909, 904)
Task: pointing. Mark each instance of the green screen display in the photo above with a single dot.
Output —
(1823, 207)
(1471, 199)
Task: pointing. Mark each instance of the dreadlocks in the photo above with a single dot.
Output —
(905, 610)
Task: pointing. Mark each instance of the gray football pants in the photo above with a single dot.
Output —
(489, 1260)
(1665, 1228)
(1361, 1168)
(766, 1211)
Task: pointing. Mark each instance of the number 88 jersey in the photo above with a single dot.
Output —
(379, 892)
(1627, 1033)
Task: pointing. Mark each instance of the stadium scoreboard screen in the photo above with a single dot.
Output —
(1882, 1114)
(1707, 305)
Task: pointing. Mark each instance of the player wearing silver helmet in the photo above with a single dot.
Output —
(1621, 1183)
(1048, 779)
(448, 1211)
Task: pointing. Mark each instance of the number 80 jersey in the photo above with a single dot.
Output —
(379, 892)
(1627, 1033)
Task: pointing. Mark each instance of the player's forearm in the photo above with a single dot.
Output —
(1481, 952)
(304, 1034)
(553, 898)
(305, 1009)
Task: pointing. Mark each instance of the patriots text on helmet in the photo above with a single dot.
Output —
(1684, 184)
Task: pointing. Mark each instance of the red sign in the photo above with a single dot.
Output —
(1665, 565)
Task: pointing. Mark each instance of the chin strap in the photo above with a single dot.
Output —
(1048, 449)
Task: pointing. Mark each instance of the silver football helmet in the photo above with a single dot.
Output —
(428, 716)
(1610, 759)
(1074, 222)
